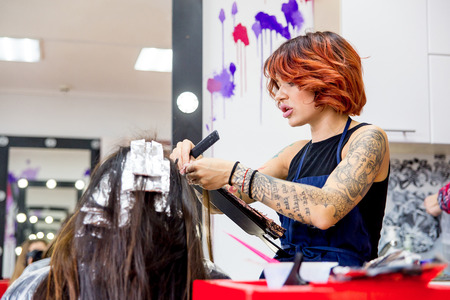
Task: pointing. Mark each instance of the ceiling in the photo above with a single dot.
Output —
(89, 46)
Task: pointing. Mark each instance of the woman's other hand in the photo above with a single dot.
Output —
(181, 155)
(432, 205)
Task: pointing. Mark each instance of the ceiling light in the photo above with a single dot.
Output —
(33, 219)
(154, 59)
(23, 50)
(49, 219)
(187, 102)
(40, 235)
(50, 235)
(32, 236)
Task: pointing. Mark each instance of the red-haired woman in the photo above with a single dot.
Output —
(330, 191)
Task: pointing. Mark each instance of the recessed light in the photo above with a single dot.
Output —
(22, 50)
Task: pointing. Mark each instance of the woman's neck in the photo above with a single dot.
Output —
(328, 125)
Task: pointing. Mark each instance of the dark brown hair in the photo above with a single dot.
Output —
(323, 63)
(157, 255)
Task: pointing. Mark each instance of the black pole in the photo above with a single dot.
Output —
(4, 156)
(187, 67)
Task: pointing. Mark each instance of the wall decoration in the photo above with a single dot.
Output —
(238, 36)
(406, 223)
(267, 30)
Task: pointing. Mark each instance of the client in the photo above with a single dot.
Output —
(134, 235)
(31, 251)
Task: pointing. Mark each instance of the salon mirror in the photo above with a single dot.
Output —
(41, 181)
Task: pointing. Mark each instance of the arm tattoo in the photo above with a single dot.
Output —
(282, 150)
(345, 187)
(355, 175)
(285, 197)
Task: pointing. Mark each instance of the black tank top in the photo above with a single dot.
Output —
(320, 160)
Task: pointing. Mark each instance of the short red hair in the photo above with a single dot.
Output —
(323, 63)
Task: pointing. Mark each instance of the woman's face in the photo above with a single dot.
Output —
(296, 105)
(37, 246)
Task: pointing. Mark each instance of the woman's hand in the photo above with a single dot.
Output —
(432, 205)
(181, 155)
(209, 173)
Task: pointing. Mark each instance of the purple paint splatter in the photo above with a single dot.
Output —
(223, 82)
(225, 78)
(11, 177)
(30, 173)
(232, 69)
(222, 19)
(269, 22)
(222, 15)
(234, 11)
(256, 27)
(293, 15)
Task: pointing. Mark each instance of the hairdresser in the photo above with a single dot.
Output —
(330, 191)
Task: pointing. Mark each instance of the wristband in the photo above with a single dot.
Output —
(232, 172)
(250, 184)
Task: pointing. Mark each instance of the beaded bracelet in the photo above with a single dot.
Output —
(243, 181)
(232, 172)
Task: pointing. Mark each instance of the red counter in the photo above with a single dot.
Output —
(3, 286)
(367, 289)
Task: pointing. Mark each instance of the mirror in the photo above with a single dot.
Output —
(41, 181)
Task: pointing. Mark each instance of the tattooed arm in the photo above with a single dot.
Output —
(213, 173)
(366, 161)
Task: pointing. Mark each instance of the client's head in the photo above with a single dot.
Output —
(32, 251)
(134, 235)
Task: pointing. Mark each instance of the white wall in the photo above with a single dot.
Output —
(108, 117)
(251, 128)
(246, 137)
